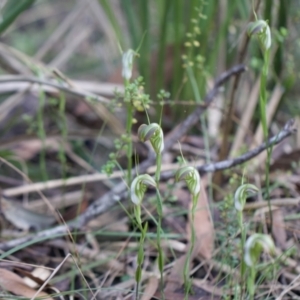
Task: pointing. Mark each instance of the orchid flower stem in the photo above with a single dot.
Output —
(158, 168)
(191, 246)
(243, 241)
(128, 132)
(251, 283)
(263, 108)
(159, 248)
(159, 228)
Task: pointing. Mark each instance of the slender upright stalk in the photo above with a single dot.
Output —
(191, 247)
(263, 113)
(159, 225)
(42, 134)
(158, 168)
(243, 240)
(251, 283)
(129, 110)
(158, 243)
(263, 32)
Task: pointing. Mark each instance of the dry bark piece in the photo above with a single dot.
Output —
(278, 228)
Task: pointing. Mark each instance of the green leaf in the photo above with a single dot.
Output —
(12, 10)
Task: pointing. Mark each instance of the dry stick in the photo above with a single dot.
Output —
(108, 200)
(67, 89)
(287, 130)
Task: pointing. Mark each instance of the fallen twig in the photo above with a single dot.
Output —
(68, 89)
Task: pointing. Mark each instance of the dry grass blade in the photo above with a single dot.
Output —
(60, 31)
(56, 270)
(75, 38)
(293, 285)
(40, 186)
(101, 20)
(13, 283)
(245, 119)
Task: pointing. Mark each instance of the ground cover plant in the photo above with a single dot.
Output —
(149, 149)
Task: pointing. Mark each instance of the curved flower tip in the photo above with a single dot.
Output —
(254, 245)
(191, 177)
(154, 134)
(263, 32)
(127, 62)
(242, 193)
(139, 187)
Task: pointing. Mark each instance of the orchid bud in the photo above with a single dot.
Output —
(242, 193)
(139, 187)
(254, 245)
(127, 62)
(191, 177)
(154, 133)
(262, 30)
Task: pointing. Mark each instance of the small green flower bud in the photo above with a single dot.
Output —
(154, 134)
(191, 177)
(254, 245)
(262, 30)
(139, 187)
(241, 195)
(127, 61)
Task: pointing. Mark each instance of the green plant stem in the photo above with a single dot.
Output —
(158, 243)
(263, 115)
(129, 109)
(42, 134)
(243, 241)
(159, 228)
(64, 132)
(187, 284)
(251, 283)
(158, 168)
(140, 259)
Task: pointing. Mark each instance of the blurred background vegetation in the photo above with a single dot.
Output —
(182, 46)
